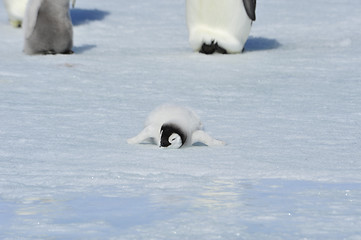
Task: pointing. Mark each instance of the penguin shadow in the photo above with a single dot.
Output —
(83, 48)
(199, 144)
(261, 44)
(83, 16)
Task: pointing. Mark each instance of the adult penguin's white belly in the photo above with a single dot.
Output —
(219, 25)
(16, 11)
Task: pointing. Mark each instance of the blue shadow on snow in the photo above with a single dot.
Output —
(83, 48)
(261, 44)
(83, 16)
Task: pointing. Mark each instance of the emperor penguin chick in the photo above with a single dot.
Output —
(221, 26)
(16, 11)
(48, 27)
(171, 126)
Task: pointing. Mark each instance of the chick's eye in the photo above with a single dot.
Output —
(173, 139)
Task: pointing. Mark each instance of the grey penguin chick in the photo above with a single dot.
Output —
(48, 27)
(171, 126)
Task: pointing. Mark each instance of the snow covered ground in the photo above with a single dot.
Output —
(289, 109)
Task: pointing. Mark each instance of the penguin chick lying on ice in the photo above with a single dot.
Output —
(172, 126)
(16, 11)
(219, 26)
(48, 27)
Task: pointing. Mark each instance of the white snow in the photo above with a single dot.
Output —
(289, 109)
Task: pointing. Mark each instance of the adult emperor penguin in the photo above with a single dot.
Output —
(48, 27)
(16, 11)
(171, 126)
(221, 26)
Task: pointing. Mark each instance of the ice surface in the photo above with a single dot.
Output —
(289, 109)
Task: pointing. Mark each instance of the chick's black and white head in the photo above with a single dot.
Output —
(171, 136)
